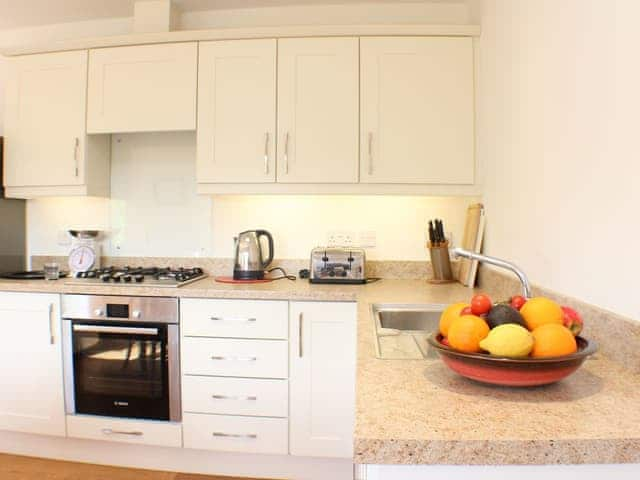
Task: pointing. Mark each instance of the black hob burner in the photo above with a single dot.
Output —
(148, 276)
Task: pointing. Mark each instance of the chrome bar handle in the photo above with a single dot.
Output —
(266, 153)
(76, 147)
(234, 435)
(300, 322)
(121, 330)
(249, 398)
(231, 319)
(52, 339)
(134, 433)
(238, 359)
(286, 153)
(370, 153)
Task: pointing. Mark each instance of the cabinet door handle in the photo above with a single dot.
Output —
(238, 359)
(266, 153)
(231, 319)
(52, 338)
(109, 431)
(286, 153)
(248, 398)
(370, 149)
(300, 324)
(76, 147)
(235, 435)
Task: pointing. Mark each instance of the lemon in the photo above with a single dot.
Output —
(508, 340)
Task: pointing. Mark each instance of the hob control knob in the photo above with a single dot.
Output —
(136, 314)
(98, 312)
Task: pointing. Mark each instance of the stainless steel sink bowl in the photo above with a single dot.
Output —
(401, 331)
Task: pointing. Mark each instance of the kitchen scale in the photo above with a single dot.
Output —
(84, 254)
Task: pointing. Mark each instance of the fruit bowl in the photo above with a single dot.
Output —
(512, 372)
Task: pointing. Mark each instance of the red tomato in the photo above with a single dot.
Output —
(517, 301)
(481, 304)
(466, 311)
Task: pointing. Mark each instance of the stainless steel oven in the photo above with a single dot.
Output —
(121, 356)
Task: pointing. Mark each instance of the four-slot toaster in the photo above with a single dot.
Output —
(337, 265)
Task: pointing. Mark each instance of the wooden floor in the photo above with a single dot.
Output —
(29, 468)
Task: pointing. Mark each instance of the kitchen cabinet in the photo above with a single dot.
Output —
(322, 378)
(318, 110)
(32, 399)
(417, 110)
(126, 430)
(46, 149)
(236, 111)
(143, 88)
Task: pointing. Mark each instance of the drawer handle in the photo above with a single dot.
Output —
(222, 319)
(109, 431)
(238, 359)
(235, 435)
(251, 398)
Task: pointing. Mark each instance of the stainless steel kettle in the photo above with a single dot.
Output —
(250, 262)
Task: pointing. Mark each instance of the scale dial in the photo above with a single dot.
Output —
(82, 258)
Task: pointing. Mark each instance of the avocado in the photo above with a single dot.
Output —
(501, 314)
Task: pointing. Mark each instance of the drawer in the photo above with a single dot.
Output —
(235, 358)
(236, 434)
(235, 396)
(145, 432)
(234, 318)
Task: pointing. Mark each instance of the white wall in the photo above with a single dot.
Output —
(559, 140)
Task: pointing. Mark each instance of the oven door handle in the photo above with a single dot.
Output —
(121, 330)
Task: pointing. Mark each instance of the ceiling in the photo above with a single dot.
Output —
(24, 13)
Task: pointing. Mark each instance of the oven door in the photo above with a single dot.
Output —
(121, 369)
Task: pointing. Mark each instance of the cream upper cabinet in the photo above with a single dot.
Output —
(417, 110)
(318, 110)
(46, 149)
(142, 88)
(237, 111)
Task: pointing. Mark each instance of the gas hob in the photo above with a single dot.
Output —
(139, 276)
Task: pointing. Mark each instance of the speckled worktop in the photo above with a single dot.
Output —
(418, 412)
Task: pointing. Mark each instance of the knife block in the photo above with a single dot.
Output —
(440, 263)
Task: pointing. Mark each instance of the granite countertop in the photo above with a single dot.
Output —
(419, 412)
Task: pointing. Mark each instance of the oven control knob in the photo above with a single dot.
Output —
(98, 312)
(136, 314)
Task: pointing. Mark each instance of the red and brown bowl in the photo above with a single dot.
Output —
(512, 372)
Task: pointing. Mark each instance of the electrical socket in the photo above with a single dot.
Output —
(368, 239)
(340, 238)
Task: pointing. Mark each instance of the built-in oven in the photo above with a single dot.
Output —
(121, 356)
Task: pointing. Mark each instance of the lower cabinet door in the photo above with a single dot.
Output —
(144, 432)
(235, 434)
(322, 378)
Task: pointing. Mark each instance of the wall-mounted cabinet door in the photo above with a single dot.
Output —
(142, 88)
(417, 110)
(318, 110)
(45, 120)
(237, 111)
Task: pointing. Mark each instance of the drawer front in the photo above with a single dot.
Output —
(235, 358)
(236, 434)
(234, 318)
(235, 396)
(122, 430)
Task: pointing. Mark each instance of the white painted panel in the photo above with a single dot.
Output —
(235, 396)
(318, 110)
(234, 318)
(417, 110)
(234, 358)
(237, 111)
(235, 434)
(32, 397)
(322, 378)
(142, 88)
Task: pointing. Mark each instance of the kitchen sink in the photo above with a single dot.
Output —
(401, 331)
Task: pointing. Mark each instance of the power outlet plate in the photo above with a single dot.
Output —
(368, 239)
(340, 238)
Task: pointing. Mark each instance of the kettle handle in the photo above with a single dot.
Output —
(264, 233)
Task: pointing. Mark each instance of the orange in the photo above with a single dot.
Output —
(466, 332)
(553, 340)
(449, 314)
(540, 311)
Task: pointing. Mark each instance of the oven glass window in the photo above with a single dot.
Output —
(121, 370)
